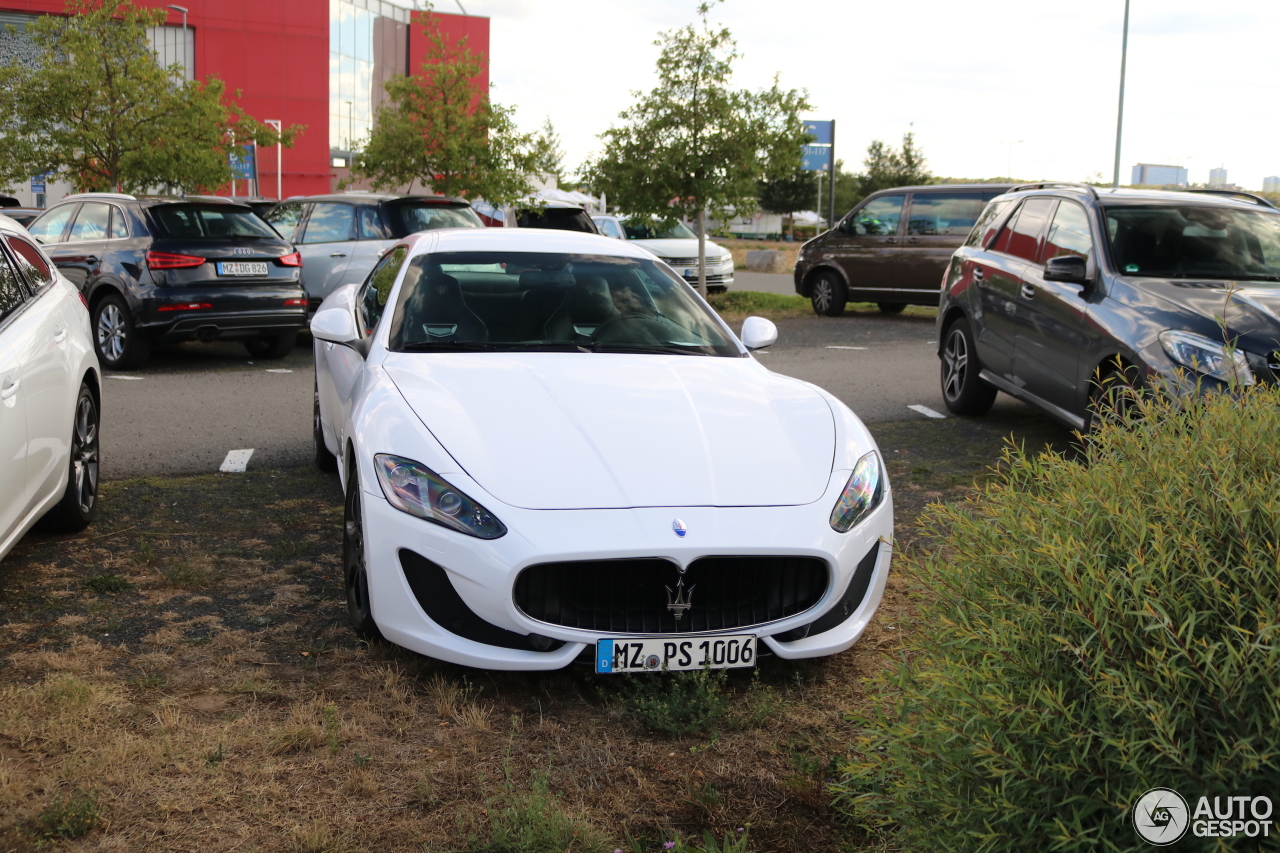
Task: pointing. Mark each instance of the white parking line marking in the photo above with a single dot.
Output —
(926, 411)
(846, 347)
(118, 376)
(236, 461)
(278, 370)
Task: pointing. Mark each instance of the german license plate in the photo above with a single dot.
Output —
(650, 655)
(242, 268)
(693, 273)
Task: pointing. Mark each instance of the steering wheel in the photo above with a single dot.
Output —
(619, 319)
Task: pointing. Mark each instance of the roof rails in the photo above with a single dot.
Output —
(1041, 185)
(1256, 199)
(121, 196)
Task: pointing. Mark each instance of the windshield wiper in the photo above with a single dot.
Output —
(446, 346)
(552, 346)
(601, 346)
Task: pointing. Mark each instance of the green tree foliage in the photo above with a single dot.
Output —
(1090, 627)
(695, 144)
(884, 167)
(789, 193)
(100, 112)
(548, 156)
(438, 130)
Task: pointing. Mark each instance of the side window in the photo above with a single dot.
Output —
(330, 223)
(91, 222)
(609, 228)
(879, 217)
(986, 226)
(285, 218)
(376, 290)
(371, 227)
(50, 227)
(1069, 233)
(30, 261)
(12, 292)
(1021, 236)
(119, 225)
(943, 214)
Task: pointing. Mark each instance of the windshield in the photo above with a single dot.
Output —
(1195, 242)
(406, 218)
(551, 301)
(211, 221)
(640, 231)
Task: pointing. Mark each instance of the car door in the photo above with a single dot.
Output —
(999, 278)
(936, 225)
(374, 238)
(1051, 314)
(866, 246)
(15, 492)
(328, 241)
(79, 255)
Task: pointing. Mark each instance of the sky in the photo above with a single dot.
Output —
(986, 85)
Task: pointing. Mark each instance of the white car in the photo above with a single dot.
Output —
(50, 394)
(677, 246)
(552, 448)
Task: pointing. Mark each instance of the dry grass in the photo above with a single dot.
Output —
(739, 249)
(245, 716)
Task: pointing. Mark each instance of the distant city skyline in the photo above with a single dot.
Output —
(1150, 174)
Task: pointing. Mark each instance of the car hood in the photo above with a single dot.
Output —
(1253, 318)
(678, 248)
(605, 431)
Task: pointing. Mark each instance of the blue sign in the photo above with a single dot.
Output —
(244, 162)
(37, 183)
(817, 158)
(820, 131)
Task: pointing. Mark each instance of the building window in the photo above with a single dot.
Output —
(368, 42)
(175, 45)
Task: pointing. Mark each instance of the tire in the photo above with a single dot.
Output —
(271, 346)
(355, 575)
(80, 500)
(325, 460)
(963, 390)
(891, 307)
(115, 337)
(828, 294)
(1113, 395)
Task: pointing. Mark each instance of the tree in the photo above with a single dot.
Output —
(438, 129)
(98, 110)
(884, 167)
(795, 191)
(694, 144)
(548, 156)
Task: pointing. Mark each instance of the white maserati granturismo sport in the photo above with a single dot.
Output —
(553, 449)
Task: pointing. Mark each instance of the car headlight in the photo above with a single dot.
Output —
(1207, 356)
(413, 488)
(861, 494)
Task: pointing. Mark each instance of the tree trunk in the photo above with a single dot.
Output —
(702, 250)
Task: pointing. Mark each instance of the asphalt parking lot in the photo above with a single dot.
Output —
(194, 404)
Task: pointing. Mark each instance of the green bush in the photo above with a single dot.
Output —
(1089, 628)
(676, 703)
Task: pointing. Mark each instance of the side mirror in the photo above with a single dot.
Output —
(757, 333)
(1069, 268)
(335, 321)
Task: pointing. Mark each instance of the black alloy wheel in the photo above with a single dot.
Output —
(271, 347)
(354, 573)
(891, 307)
(963, 390)
(828, 294)
(80, 500)
(115, 337)
(324, 460)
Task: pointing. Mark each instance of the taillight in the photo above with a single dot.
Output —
(185, 306)
(170, 261)
(293, 260)
(294, 303)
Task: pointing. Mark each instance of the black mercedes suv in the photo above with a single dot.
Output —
(174, 269)
(1062, 291)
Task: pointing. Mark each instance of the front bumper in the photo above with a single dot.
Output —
(483, 573)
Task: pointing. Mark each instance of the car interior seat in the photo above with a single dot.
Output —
(437, 312)
(586, 306)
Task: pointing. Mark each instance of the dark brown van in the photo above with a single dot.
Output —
(892, 248)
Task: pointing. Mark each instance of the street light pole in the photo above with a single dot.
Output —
(279, 126)
(1009, 164)
(1124, 55)
(185, 64)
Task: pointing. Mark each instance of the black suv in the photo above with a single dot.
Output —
(174, 269)
(1062, 292)
(892, 248)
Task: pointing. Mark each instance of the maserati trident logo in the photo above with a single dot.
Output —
(679, 527)
(679, 600)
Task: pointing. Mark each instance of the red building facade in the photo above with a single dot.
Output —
(301, 62)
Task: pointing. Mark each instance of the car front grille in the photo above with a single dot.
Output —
(712, 278)
(636, 596)
(692, 262)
